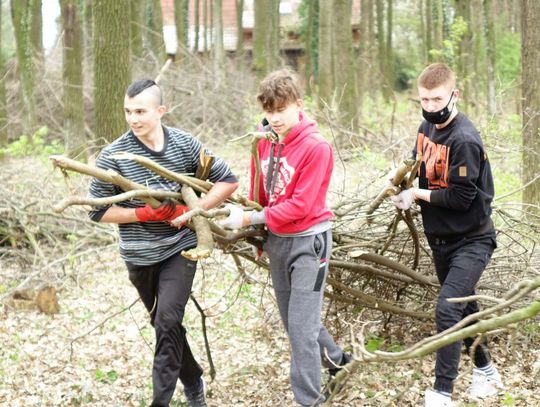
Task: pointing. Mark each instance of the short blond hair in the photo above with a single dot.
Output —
(435, 75)
(278, 89)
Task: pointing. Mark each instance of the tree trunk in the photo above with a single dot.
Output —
(136, 26)
(464, 68)
(274, 37)
(423, 45)
(3, 104)
(36, 36)
(429, 29)
(530, 61)
(22, 24)
(344, 71)
(239, 32)
(489, 29)
(154, 21)
(112, 68)
(205, 27)
(325, 77)
(437, 26)
(218, 49)
(197, 11)
(477, 49)
(265, 37)
(365, 51)
(181, 19)
(88, 32)
(74, 134)
(310, 46)
(381, 49)
(389, 72)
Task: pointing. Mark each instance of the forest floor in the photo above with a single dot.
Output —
(97, 351)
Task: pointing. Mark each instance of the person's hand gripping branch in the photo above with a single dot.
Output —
(404, 199)
(166, 212)
(235, 219)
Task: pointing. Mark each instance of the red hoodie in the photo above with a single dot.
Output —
(298, 197)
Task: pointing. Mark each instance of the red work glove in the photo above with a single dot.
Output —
(165, 212)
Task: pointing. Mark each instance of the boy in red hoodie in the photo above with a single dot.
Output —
(295, 172)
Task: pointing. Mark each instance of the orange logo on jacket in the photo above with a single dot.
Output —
(435, 157)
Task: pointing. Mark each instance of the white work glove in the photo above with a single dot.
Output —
(404, 199)
(235, 218)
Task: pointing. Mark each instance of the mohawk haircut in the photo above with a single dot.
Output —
(141, 85)
(278, 89)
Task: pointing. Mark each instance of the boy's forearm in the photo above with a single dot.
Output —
(219, 192)
(117, 214)
(422, 194)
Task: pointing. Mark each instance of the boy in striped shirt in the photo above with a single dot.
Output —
(149, 245)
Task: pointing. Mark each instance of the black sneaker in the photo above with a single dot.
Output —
(196, 398)
(345, 358)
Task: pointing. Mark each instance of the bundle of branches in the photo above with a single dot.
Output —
(380, 258)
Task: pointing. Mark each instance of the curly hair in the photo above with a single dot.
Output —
(278, 89)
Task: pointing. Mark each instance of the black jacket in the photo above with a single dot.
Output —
(456, 168)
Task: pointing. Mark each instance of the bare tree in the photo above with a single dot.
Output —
(36, 33)
(181, 13)
(72, 76)
(265, 37)
(21, 15)
(344, 70)
(154, 34)
(3, 102)
(530, 61)
(218, 48)
(136, 25)
(489, 29)
(325, 78)
(239, 30)
(112, 68)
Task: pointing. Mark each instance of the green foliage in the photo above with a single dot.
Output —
(508, 54)
(247, 292)
(371, 394)
(532, 329)
(450, 49)
(374, 343)
(371, 159)
(36, 145)
(404, 70)
(508, 400)
(105, 377)
(303, 11)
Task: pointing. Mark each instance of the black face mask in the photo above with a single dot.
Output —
(439, 116)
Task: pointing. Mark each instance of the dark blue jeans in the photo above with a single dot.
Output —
(459, 266)
(168, 283)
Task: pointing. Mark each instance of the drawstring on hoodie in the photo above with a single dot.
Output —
(273, 169)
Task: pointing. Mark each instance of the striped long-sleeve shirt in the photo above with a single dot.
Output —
(145, 243)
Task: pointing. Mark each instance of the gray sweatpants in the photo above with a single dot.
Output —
(299, 267)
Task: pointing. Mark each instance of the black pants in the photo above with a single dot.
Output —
(459, 266)
(169, 284)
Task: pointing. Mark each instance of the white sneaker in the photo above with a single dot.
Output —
(483, 386)
(436, 399)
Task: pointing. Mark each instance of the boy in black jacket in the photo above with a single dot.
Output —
(455, 193)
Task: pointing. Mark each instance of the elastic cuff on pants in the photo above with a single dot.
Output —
(444, 385)
(481, 358)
